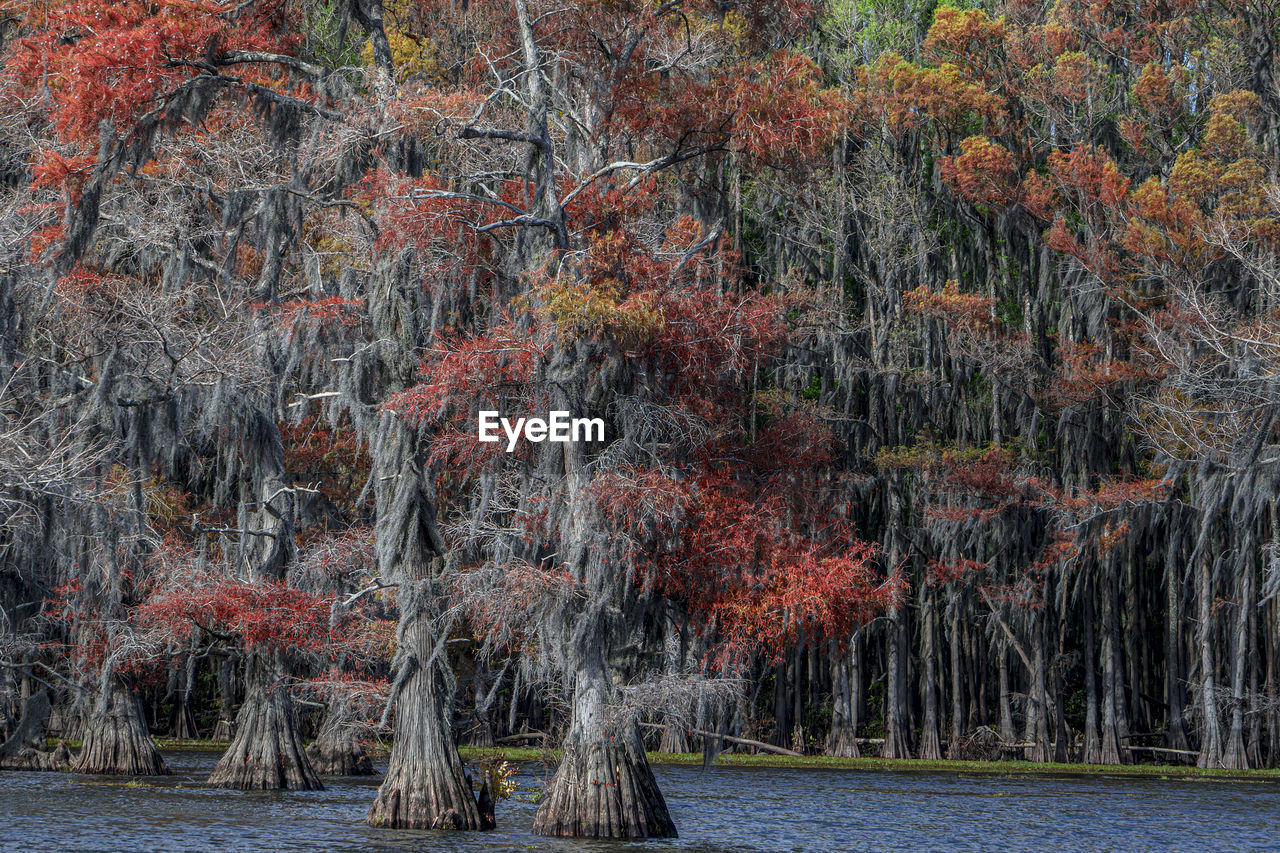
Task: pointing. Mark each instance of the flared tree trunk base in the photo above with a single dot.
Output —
(842, 743)
(222, 732)
(425, 786)
(337, 751)
(408, 799)
(267, 752)
(116, 740)
(604, 791)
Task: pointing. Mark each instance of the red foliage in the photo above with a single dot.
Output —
(114, 60)
(744, 559)
(262, 615)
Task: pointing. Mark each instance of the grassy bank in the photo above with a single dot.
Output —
(820, 762)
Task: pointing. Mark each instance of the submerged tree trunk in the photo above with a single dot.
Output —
(267, 752)
(604, 787)
(337, 750)
(116, 740)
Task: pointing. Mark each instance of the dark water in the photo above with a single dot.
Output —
(725, 809)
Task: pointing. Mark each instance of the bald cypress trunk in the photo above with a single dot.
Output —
(842, 742)
(896, 716)
(1211, 730)
(930, 746)
(957, 691)
(1037, 731)
(1234, 756)
(116, 740)
(1007, 733)
(604, 787)
(425, 786)
(1112, 743)
(267, 752)
(337, 750)
(1176, 722)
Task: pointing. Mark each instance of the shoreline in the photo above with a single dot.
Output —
(823, 762)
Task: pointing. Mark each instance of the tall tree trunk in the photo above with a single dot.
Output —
(930, 745)
(267, 750)
(843, 739)
(1234, 756)
(781, 707)
(1092, 752)
(1037, 731)
(1007, 732)
(897, 712)
(1112, 743)
(896, 716)
(1174, 692)
(957, 691)
(1211, 730)
(425, 786)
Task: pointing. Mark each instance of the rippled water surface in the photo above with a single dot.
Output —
(724, 809)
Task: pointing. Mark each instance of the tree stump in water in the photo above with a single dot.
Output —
(267, 752)
(27, 748)
(336, 750)
(116, 740)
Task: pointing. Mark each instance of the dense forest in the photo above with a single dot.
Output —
(937, 347)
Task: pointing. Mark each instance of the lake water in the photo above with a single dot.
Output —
(723, 809)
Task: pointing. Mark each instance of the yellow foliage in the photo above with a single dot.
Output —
(410, 54)
(579, 309)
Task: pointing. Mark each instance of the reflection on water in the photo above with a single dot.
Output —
(725, 809)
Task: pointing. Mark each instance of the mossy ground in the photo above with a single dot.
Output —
(822, 762)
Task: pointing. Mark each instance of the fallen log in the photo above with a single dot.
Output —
(767, 747)
(538, 736)
(1164, 749)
